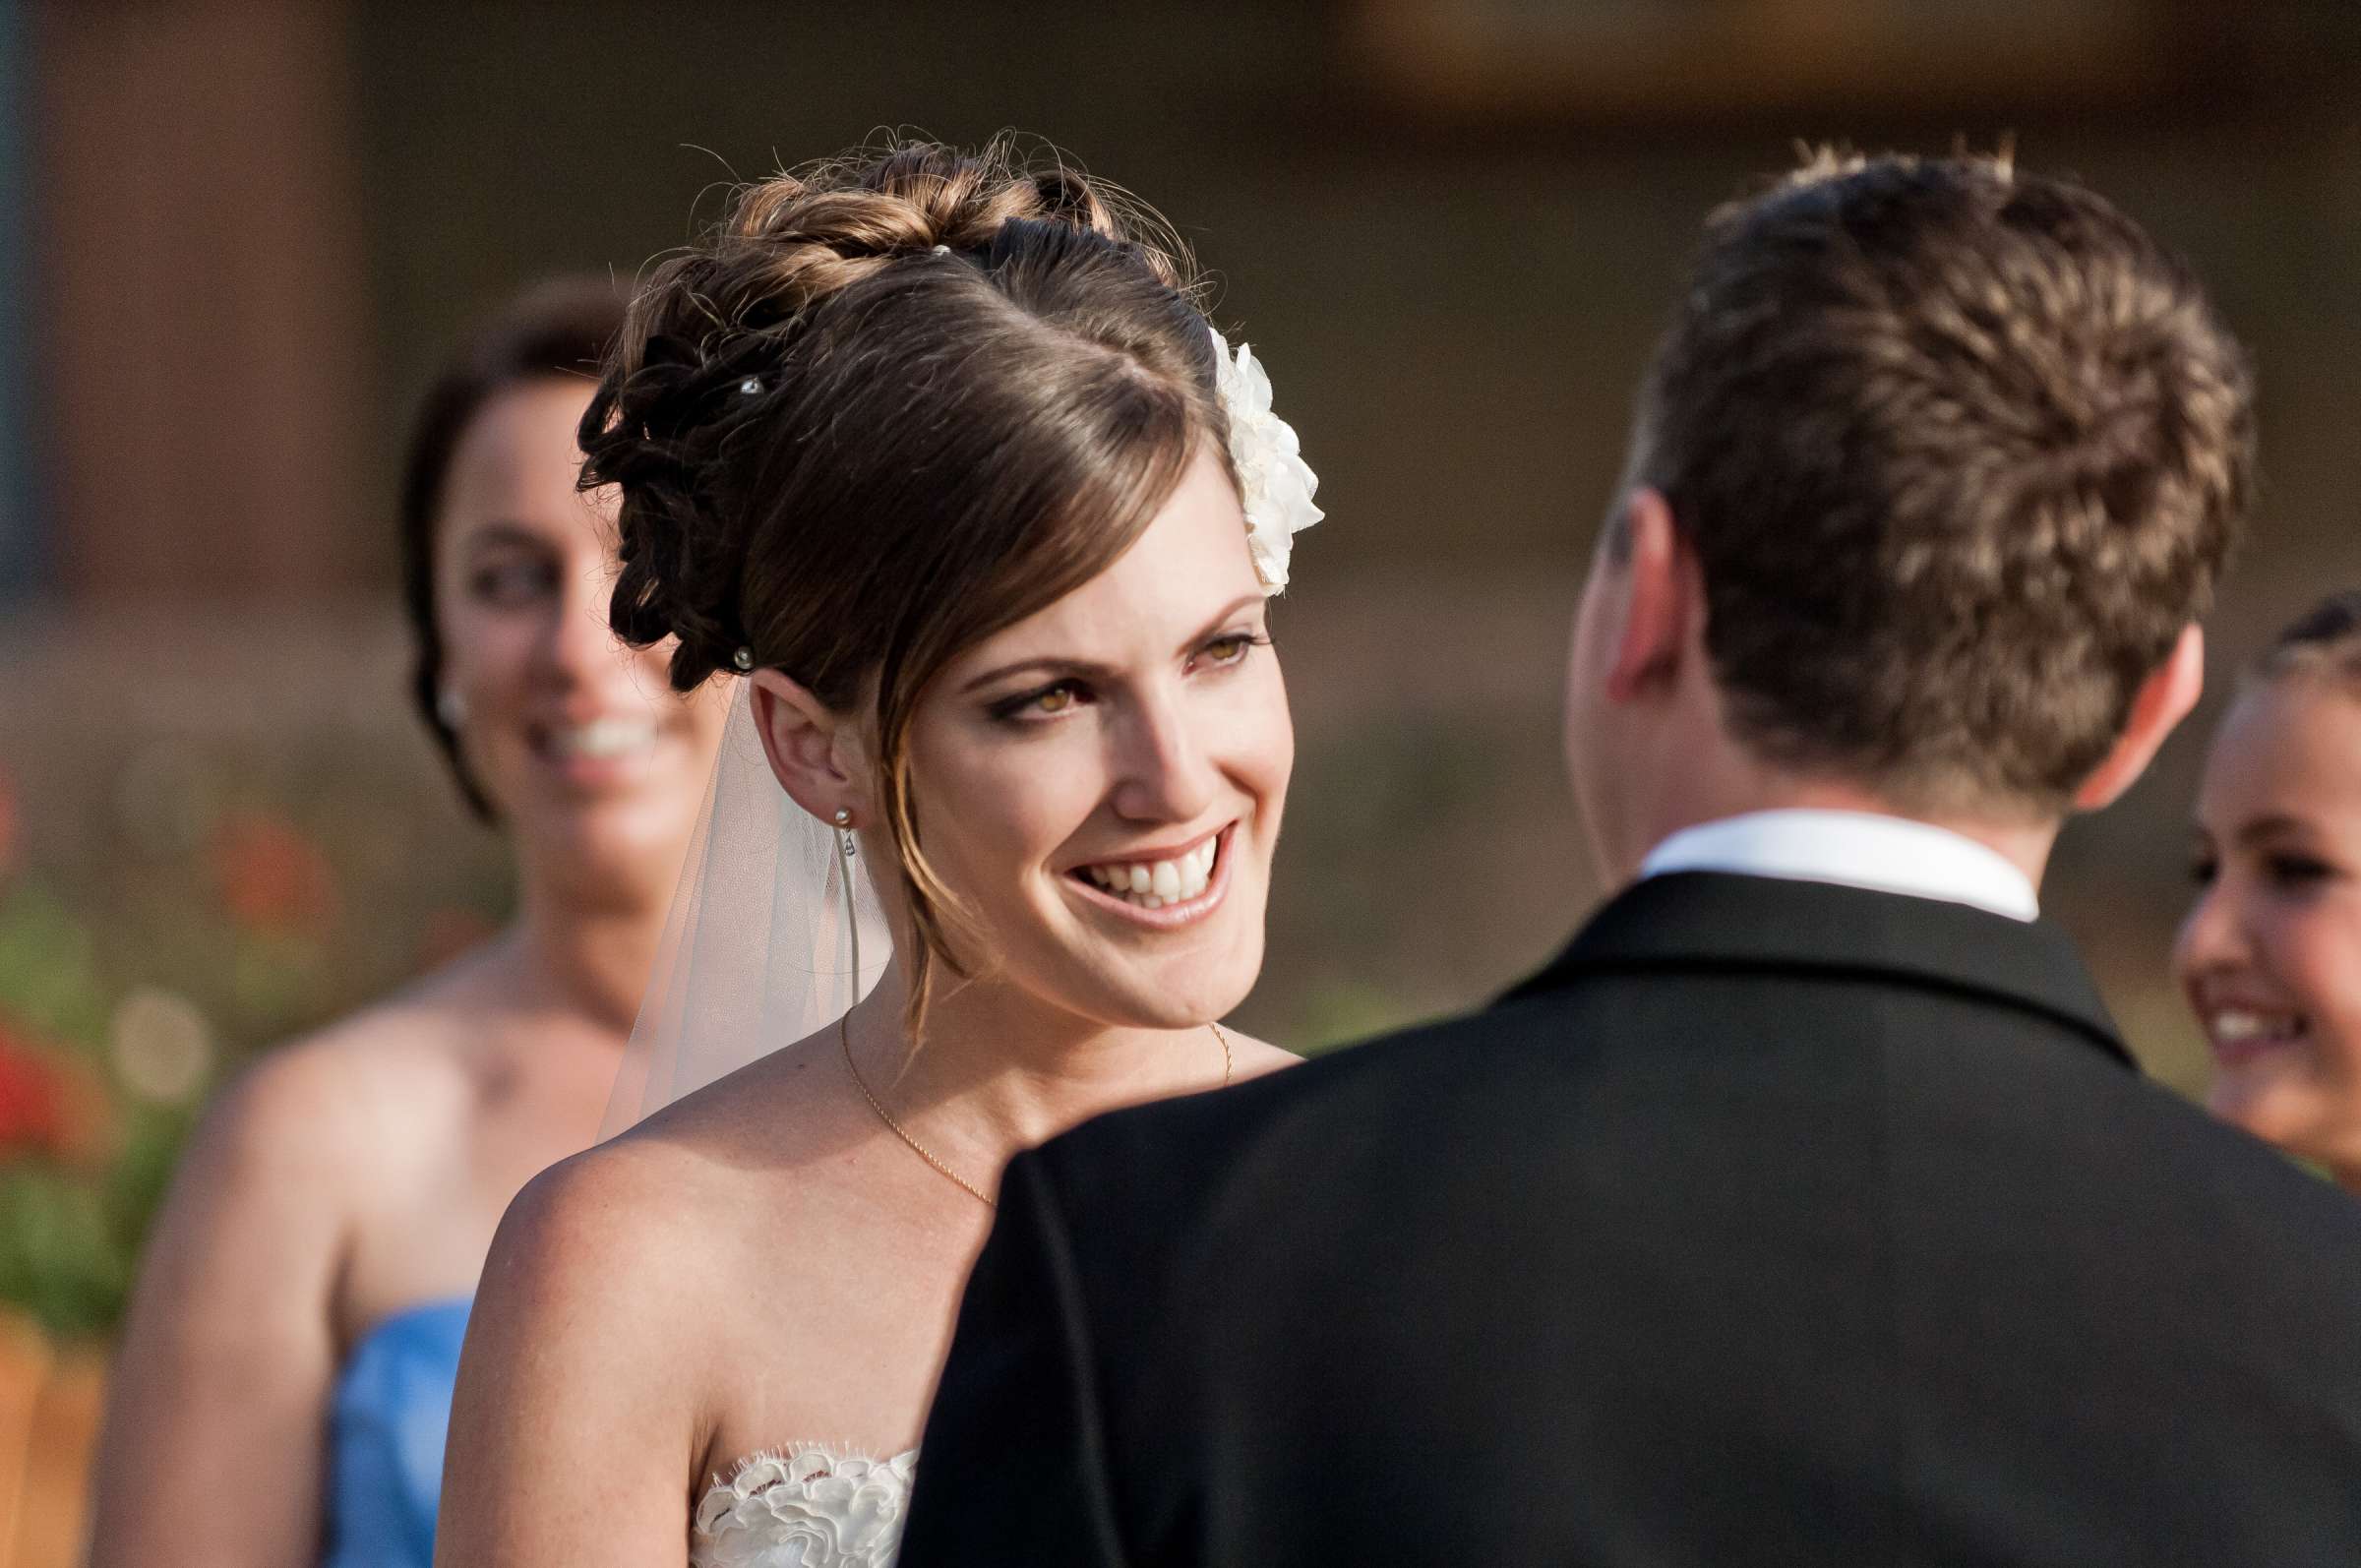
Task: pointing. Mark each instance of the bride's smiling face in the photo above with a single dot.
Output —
(1101, 784)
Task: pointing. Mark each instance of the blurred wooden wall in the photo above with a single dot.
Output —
(203, 324)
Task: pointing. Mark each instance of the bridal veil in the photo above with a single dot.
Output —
(757, 950)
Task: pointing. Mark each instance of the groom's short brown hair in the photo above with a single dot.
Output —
(1961, 452)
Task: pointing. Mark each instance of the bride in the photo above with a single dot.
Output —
(936, 451)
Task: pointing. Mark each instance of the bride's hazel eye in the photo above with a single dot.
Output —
(1046, 704)
(1231, 649)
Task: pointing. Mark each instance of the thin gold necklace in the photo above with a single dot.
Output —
(844, 1038)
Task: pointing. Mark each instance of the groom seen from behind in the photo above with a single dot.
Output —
(1808, 1208)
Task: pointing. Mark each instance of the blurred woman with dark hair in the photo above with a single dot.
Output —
(285, 1381)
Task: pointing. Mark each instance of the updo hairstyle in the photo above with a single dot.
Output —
(897, 402)
(557, 330)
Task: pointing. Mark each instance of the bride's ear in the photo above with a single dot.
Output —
(813, 752)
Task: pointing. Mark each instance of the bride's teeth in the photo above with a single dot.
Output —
(1153, 884)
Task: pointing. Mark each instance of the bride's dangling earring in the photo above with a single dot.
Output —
(845, 850)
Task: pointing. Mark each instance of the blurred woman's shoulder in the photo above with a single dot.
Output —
(296, 1149)
(393, 1067)
(340, 1117)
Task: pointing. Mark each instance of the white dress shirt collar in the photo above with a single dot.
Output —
(1855, 849)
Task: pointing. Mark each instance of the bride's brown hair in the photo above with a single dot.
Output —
(897, 402)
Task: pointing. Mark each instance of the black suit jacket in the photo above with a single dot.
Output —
(1773, 1223)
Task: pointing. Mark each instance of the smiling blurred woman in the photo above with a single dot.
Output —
(284, 1382)
(2271, 952)
(937, 449)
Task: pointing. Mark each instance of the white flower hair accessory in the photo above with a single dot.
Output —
(1273, 480)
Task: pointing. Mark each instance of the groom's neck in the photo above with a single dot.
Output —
(2024, 843)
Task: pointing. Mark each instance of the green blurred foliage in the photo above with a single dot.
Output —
(49, 968)
(207, 919)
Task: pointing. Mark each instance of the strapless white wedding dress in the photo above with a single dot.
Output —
(804, 1507)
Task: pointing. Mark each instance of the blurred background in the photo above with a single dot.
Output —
(235, 235)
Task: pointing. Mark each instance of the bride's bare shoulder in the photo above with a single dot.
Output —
(603, 1269)
(676, 1187)
(602, 1227)
(763, 1110)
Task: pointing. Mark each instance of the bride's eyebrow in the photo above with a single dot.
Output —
(1068, 669)
(1063, 668)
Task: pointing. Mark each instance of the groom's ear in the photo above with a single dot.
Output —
(1662, 596)
(810, 748)
(2163, 699)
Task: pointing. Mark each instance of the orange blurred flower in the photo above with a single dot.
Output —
(31, 1108)
(272, 877)
(49, 1105)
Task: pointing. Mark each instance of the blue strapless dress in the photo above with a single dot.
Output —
(386, 1432)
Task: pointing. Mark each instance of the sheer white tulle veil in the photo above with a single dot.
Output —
(758, 949)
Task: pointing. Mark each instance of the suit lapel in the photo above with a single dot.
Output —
(1712, 920)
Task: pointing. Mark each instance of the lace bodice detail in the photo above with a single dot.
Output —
(804, 1507)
